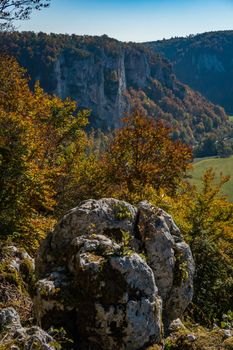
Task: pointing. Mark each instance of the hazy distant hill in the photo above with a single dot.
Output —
(204, 62)
(106, 75)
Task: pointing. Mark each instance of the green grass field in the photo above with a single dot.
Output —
(224, 165)
(231, 118)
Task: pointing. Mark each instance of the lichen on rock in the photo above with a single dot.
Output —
(14, 336)
(93, 281)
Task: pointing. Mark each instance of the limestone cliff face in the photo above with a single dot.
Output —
(208, 62)
(99, 85)
(204, 62)
(110, 78)
(100, 80)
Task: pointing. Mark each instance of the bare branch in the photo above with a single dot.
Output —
(14, 10)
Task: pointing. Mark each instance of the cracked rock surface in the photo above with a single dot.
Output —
(113, 275)
(17, 337)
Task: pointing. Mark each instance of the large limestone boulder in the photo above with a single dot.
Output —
(169, 257)
(112, 274)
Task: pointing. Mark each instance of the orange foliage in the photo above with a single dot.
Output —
(142, 156)
(40, 138)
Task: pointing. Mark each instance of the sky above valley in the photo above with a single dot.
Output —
(133, 20)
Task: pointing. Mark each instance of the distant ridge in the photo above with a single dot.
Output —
(204, 62)
(109, 77)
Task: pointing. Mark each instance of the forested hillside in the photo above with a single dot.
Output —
(110, 78)
(111, 236)
(204, 62)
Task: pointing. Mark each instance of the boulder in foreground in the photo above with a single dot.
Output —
(114, 275)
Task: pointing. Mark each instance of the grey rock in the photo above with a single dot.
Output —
(96, 286)
(191, 338)
(109, 294)
(31, 338)
(181, 293)
(101, 82)
(169, 257)
(138, 274)
(36, 337)
(18, 264)
(9, 319)
(101, 73)
(176, 325)
(227, 333)
(103, 217)
(16, 257)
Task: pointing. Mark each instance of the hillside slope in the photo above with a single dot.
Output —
(219, 165)
(108, 76)
(204, 62)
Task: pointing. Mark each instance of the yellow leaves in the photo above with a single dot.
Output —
(205, 218)
(34, 231)
(40, 140)
(142, 156)
(205, 212)
(139, 162)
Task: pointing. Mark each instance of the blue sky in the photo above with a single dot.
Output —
(133, 20)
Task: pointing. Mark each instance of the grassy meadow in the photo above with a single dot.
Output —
(219, 165)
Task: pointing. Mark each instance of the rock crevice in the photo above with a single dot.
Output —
(107, 292)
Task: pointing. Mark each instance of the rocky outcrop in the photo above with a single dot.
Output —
(113, 275)
(15, 337)
(169, 257)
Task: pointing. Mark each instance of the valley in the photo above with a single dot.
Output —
(111, 78)
(116, 187)
(204, 62)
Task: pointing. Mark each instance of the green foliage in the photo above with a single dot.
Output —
(227, 322)
(122, 212)
(168, 345)
(61, 340)
(125, 243)
(138, 161)
(40, 139)
(205, 339)
(191, 55)
(206, 220)
(180, 270)
(48, 164)
(219, 165)
(191, 116)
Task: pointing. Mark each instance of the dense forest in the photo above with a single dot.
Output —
(111, 78)
(49, 163)
(204, 62)
(104, 241)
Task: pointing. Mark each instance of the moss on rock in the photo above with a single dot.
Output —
(199, 338)
(16, 280)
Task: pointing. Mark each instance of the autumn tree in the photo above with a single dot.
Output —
(143, 159)
(205, 217)
(41, 138)
(13, 10)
